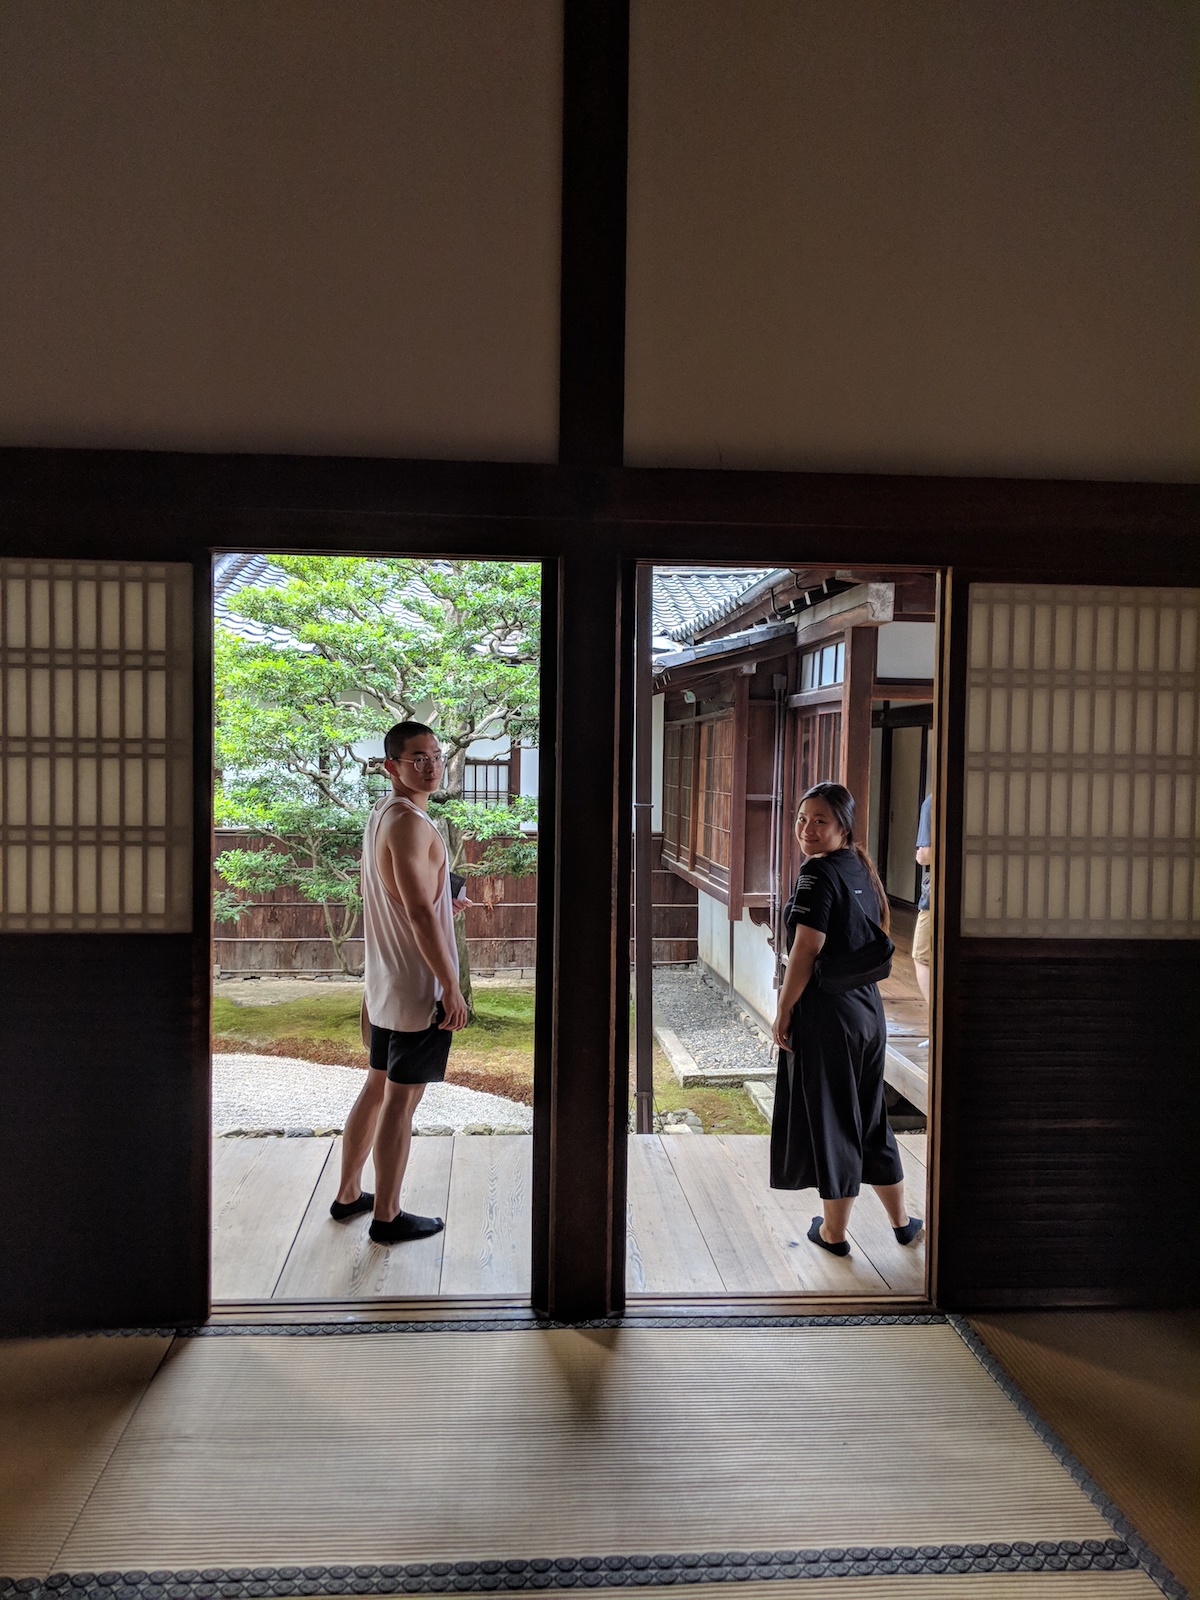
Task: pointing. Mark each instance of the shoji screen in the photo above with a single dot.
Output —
(1082, 763)
(95, 747)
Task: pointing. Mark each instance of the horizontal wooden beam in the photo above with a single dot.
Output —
(167, 505)
(902, 689)
(829, 696)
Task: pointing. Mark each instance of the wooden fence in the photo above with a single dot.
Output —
(283, 934)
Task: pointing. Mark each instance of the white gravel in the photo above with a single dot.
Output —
(252, 1093)
(715, 1033)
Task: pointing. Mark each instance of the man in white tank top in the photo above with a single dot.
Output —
(412, 1003)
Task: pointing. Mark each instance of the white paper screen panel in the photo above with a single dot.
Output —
(1082, 763)
(95, 747)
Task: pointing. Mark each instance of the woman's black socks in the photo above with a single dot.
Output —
(339, 1210)
(814, 1233)
(908, 1233)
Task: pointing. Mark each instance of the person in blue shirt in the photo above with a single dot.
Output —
(922, 946)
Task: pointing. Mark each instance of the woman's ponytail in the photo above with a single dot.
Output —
(885, 910)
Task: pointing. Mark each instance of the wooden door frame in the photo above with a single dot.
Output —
(593, 526)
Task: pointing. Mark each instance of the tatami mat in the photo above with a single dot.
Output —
(452, 1446)
(1122, 1390)
(63, 1405)
(972, 1586)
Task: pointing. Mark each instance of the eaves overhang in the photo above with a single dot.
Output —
(676, 667)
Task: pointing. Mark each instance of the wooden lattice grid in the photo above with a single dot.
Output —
(95, 746)
(1083, 763)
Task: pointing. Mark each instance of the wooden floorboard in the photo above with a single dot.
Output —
(913, 1148)
(749, 1254)
(702, 1220)
(786, 1214)
(668, 1254)
(902, 1267)
(261, 1188)
(337, 1261)
(489, 1248)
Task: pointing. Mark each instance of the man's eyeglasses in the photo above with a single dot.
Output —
(424, 763)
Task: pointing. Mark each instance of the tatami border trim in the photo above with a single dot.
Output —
(1146, 1558)
(579, 1572)
(308, 1330)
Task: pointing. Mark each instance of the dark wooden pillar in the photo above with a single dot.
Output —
(583, 1115)
(861, 652)
(582, 1080)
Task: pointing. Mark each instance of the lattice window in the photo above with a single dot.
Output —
(95, 747)
(698, 772)
(823, 667)
(1082, 763)
(678, 759)
(820, 747)
(687, 764)
(714, 821)
(486, 783)
(670, 801)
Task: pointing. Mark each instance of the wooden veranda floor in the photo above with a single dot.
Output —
(702, 1220)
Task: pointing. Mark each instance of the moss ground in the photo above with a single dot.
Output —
(720, 1110)
(495, 1053)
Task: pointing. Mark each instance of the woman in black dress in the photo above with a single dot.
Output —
(830, 1130)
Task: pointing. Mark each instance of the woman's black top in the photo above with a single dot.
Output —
(817, 897)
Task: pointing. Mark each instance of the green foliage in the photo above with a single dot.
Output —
(450, 643)
(508, 850)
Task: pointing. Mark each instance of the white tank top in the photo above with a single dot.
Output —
(399, 986)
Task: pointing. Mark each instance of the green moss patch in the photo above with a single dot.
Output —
(494, 1053)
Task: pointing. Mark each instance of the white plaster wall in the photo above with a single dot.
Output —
(754, 968)
(753, 961)
(907, 650)
(946, 236)
(712, 934)
(488, 749)
(287, 225)
(529, 770)
(906, 809)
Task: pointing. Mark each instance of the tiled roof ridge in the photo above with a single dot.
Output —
(722, 604)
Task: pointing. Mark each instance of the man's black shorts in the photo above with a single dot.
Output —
(418, 1057)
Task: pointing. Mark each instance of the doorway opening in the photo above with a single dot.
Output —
(753, 684)
(315, 658)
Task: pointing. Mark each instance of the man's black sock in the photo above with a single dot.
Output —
(404, 1225)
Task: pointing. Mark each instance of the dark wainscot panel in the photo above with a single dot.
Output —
(1069, 1124)
(104, 1132)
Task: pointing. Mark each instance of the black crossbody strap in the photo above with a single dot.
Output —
(870, 964)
